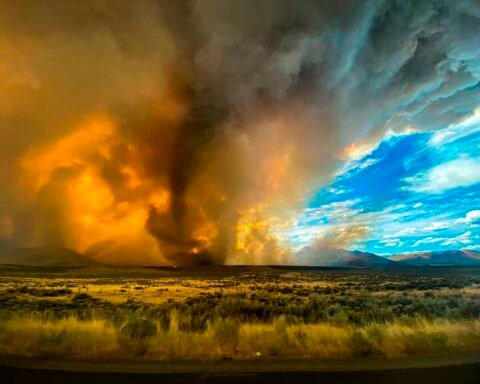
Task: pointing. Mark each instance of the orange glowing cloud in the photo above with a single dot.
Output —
(92, 212)
(91, 139)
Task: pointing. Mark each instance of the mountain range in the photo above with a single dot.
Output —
(358, 259)
(10, 253)
(464, 257)
(45, 256)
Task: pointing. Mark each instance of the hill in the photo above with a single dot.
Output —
(462, 257)
(343, 258)
(10, 253)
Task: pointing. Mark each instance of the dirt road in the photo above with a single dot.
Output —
(463, 369)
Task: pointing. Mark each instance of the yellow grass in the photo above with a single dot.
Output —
(157, 292)
(67, 337)
(97, 339)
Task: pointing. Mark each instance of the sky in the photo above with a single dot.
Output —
(212, 131)
(413, 192)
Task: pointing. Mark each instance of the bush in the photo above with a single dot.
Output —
(361, 346)
(226, 332)
(139, 329)
(420, 342)
(79, 297)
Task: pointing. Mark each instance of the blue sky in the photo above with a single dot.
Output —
(416, 191)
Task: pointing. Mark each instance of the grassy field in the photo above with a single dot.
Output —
(237, 312)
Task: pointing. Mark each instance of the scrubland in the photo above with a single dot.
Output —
(254, 314)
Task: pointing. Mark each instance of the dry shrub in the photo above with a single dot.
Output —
(228, 338)
(66, 337)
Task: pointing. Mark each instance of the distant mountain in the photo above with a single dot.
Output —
(462, 257)
(357, 259)
(10, 253)
(342, 258)
(364, 260)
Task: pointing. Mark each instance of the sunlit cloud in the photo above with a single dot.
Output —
(428, 240)
(392, 242)
(456, 131)
(436, 226)
(452, 174)
(462, 239)
(470, 218)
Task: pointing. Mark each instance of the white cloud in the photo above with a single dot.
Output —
(455, 131)
(312, 223)
(428, 240)
(338, 191)
(395, 232)
(470, 218)
(357, 165)
(461, 239)
(367, 163)
(464, 238)
(436, 226)
(392, 242)
(333, 211)
(455, 173)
